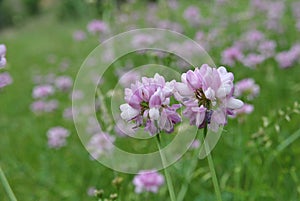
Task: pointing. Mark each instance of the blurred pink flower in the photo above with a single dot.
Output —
(267, 48)
(57, 137)
(63, 83)
(79, 35)
(97, 26)
(252, 60)
(148, 181)
(5, 79)
(288, 58)
(248, 88)
(42, 91)
(2, 55)
(41, 106)
(231, 55)
(192, 15)
(100, 144)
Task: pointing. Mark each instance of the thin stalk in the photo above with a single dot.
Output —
(212, 168)
(6, 186)
(189, 176)
(167, 174)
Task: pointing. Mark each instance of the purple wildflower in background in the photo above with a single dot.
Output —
(42, 91)
(41, 106)
(148, 105)
(97, 26)
(57, 137)
(207, 94)
(288, 58)
(252, 60)
(192, 15)
(79, 35)
(148, 181)
(248, 88)
(100, 144)
(5, 79)
(63, 83)
(231, 55)
(2, 55)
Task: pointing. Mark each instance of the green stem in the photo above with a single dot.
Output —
(6, 186)
(167, 174)
(189, 176)
(212, 168)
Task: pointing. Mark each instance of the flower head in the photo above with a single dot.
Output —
(97, 26)
(207, 94)
(5, 79)
(246, 87)
(148, 105)
(99, 144)
(57, 137)
(2, 55)
(42, 91)
(148, 181)
(63, 83)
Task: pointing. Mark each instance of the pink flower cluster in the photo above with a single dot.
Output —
(2, 55)
(97, 26)
(288, 58)
(148, 181)
(57, 137)
(5, 78)
(99, 144)
(207, 94)
(252, 49)
(192, 15)
(148, 105)
(248, 88)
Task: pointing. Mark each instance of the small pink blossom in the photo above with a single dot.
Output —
(41, 106)
(57, 137)
(97, 26)
(63, 83)
(267, 48)
(79, 35)
(5, 79)
(248, 88)
(192, 15)
(2, 55)
(252, 60)
(42, 91)
(100, 144)
(231, 55)
(148, 181)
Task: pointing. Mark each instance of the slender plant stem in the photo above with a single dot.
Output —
(189, 176)
(167, 174)
(212, 168)
(6, 186)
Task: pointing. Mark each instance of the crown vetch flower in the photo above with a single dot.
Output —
(148, 181)
(57, 137)
(246, 87)
(5, 79)
(99, 144)
(2, 55)
(148, 105)
(207, 94)
(97, 26)
(42, 91)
